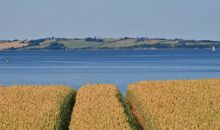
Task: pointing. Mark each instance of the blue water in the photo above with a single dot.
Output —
(77, 68)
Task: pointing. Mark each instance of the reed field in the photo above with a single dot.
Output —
(101, 107)
(176, 104)
(35, 107)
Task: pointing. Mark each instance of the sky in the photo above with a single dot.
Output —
(186, 19)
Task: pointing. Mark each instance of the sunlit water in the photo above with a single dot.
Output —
(76, 68)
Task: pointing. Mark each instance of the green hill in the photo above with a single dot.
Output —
(116, 43)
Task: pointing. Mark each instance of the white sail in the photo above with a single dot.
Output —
(213, 48)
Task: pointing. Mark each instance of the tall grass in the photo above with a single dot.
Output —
(101, 107)
(35, 107)
(180, 104)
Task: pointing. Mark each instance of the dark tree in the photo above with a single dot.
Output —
(56, 46)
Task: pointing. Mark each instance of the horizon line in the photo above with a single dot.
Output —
(100, 37)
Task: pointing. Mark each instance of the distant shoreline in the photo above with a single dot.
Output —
(171, 49)
(126, 43)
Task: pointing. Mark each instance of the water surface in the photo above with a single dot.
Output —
(120, 67)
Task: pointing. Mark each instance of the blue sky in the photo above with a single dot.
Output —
(188, 19)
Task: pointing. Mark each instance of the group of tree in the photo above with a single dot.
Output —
(56, 46)
(95, 39)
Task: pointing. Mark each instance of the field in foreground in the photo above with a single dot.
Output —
(190, 104)
(101, 107)
(35, 107)
(177, 104)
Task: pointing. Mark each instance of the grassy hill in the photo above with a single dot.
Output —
(108, 43)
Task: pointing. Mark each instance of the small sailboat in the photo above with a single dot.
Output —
(213, 48)
(7, 60)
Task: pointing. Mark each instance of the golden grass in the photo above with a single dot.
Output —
(189, 104)
(15, 44)
(98, 108)
(35, 107)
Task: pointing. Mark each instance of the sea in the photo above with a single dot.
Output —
(76, 68)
